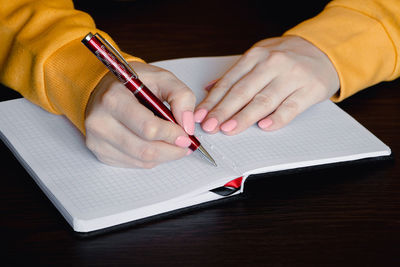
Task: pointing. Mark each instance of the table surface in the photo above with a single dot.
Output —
(344, 215)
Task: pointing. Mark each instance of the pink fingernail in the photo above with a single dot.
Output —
(229, 125)
(200, 114)
(188, 122)
(182, 141)
(264, 123)
(210, 125)
(189, 152)
(210, 85)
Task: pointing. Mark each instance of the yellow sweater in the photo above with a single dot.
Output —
(42, 58)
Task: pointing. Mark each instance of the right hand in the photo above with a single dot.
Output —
(122, 132)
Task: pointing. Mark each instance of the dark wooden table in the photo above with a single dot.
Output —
(338, 216)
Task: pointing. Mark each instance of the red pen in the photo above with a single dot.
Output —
(114, 61)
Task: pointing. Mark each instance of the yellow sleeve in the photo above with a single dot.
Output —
(41, 55)
(361, 38)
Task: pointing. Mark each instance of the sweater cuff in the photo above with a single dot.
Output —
(71, 74)
(357, 45)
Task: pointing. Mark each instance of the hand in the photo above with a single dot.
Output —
(273, 82)
(122, 132)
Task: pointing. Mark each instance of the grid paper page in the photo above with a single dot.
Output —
(322, 134)
(198, 72)
(55, 151)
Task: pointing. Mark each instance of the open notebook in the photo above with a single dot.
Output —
(92, 196)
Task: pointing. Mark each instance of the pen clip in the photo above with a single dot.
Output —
(117, 54)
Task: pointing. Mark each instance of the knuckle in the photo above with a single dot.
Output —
(188, 95)
(184, 94)
(320, 88)
(133, 163)
(278, 120)
(291, 106)
(299, 70)
(164, 74)
(105, 160)
(255, 51)
(278, 57)
(223, 83)
(94, 126)
(207, 103)
(110, 99)
(91, 124)
(148, 165)
(264, 100)
(240, 92)
(284, 117)
(149, 130)
(217, 112)
(125, 143)
(90, 144)
(170, 134)
(148, 153)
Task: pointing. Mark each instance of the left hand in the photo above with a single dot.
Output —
(273, 82)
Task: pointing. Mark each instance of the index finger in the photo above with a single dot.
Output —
(126, 109)
(169, 88)
(243, 66)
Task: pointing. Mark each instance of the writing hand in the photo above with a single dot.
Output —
(273, 82)
(122, 132)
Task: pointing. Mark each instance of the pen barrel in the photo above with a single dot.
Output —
(132, 82)
(152, 102)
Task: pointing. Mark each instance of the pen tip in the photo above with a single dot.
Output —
(213, 162)
(207, 156)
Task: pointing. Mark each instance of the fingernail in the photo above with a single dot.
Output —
(200, 114)
(210, 85)
(210, 125)
(189, 152)
(229, 125)
(264, 123)
(182, 141)
(188, 122)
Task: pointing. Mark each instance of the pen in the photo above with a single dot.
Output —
(114, 61)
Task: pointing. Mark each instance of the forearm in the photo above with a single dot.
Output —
(360, 37)
(41, 55)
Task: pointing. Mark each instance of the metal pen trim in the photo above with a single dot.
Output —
(117, 54)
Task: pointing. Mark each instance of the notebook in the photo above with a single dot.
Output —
(93, 196)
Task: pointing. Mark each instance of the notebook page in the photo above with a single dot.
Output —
(83, 188)
(322, 134)
(198, 72)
